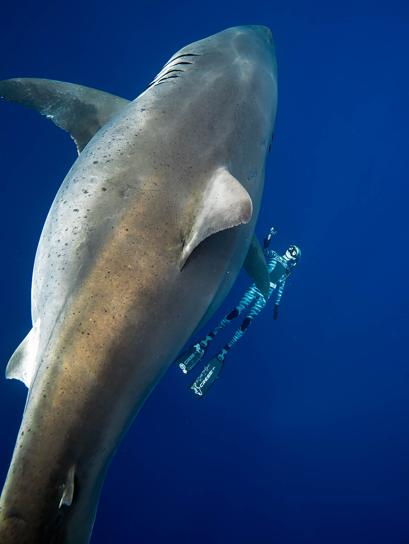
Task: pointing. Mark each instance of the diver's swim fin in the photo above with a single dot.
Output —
(207, 377)
(188, 360)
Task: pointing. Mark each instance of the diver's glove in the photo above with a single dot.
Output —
(272, 232)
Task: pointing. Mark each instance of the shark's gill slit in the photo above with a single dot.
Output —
(168, 77)
(170, 71)
(181, 56)
(160, 81)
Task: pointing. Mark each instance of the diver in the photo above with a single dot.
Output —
(279, 268)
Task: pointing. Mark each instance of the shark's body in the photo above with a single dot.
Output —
(138, 249)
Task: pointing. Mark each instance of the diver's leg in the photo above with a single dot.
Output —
(240, 332)
(193, 355)
(280, 292)
(213, 368)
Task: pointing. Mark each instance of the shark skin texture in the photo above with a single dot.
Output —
(142, 243)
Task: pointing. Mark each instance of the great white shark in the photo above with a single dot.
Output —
(143, 241)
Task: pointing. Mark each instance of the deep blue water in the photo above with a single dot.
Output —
(304, 439)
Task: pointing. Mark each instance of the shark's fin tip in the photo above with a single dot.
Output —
(225, 204)
(79, 110)
(23, 363)
(68, 488)
(256, 267)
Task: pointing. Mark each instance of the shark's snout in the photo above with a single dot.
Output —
(255, 37)
(265, 32)
(260, 31)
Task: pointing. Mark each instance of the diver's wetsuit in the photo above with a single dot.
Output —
(279, 268)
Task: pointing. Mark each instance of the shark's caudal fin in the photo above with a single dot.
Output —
(81, 111)
(225, 203)
(23, 363)
(256, 267)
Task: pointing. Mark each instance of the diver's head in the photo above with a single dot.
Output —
(292, 255)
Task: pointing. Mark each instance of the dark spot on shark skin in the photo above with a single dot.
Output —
(15, 521)
(103, 189)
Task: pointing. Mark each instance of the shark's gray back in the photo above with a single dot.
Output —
(167, 142)
(137, 249)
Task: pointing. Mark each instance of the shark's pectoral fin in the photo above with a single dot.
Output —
(81, 111)
(23, 363)
(225, 203)
(256, 267)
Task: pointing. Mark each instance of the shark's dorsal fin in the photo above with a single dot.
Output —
(23, 363)
(79, 110)
(256, 267)
(225, 203)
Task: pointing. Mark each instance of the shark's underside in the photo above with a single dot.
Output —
(143, 241)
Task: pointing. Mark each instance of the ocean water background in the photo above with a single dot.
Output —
(304, 439)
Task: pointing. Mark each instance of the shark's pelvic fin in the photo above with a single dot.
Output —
(81, 111)
(68, 489)
(23, 363)
(225, 203)
(256, 267)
